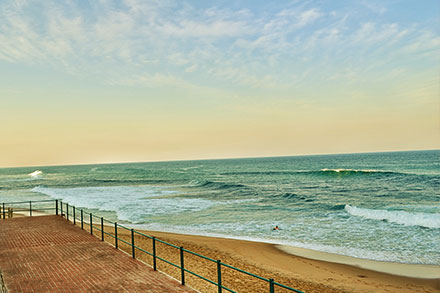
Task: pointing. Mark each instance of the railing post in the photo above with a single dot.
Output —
(67, 211)
(102, 229)
(182, 266)
(4, 213)
(30, 208)
(132, 243)
(56, 207)
(61, 204)
(116, 235)
(219, 275)
(91, 224)
(82, 220)
(271, 286)
(74, 215)
(154, 253)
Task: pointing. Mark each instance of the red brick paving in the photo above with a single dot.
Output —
(49, 254)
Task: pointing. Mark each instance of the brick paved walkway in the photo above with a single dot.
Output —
(47, 254)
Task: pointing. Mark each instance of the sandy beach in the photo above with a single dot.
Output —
(281, 263)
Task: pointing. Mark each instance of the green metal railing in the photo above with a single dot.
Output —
(70, 212)
(27, 206)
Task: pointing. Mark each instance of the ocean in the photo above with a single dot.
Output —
(378, 206)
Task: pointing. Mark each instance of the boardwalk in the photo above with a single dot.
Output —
(48, 254)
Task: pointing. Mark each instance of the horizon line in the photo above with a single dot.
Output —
(220, 158)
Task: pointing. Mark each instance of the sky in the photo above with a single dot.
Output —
(135, 81)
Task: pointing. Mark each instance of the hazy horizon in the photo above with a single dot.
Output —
(222, 158)
(139, 81)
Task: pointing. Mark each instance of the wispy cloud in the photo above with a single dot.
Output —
(163, 42)
(150, 81)
(214, 29)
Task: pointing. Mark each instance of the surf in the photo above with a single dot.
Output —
(427, 220)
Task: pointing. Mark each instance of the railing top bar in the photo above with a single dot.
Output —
(244, 272)
(169, 244)
(45, 200)
(32, 201)
(287, 287)
(199, 255)
(148, 236)
(41, 209)
(119, 225)
(36, 209)
(105, 220)
(97, 217)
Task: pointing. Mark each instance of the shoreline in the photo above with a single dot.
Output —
(275, 260)
(419, 271)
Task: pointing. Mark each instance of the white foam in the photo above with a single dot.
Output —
(36, 174)
(429, 220)
(131, 203)
(354, 170)
(336, 170)
(193, 167)
(239, 230)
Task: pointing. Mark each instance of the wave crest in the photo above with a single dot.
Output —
(321, 172)
(135, 204)
(220, 185)
(354, 171)
(428, 220)
(36, 174)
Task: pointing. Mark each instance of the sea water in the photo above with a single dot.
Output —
(379, 206)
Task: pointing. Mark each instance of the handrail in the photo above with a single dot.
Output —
(17, 202)
(169, 244)
(142, 234)
(247, 273)
(199, 255)
(59, 205)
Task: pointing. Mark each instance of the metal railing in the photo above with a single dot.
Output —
(19, 207)
(71, 213)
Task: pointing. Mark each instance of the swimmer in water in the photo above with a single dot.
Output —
(276, 228)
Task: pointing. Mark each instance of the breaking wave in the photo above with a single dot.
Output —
(36, 174)
(428, 220)
(354, 171)
(219, 185)
(132, 203)
(324, 171)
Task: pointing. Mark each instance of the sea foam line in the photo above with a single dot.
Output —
(428, 220)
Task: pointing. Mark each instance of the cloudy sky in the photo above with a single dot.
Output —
(131, 80)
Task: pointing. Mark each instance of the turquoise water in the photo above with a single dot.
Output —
(382, 206)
